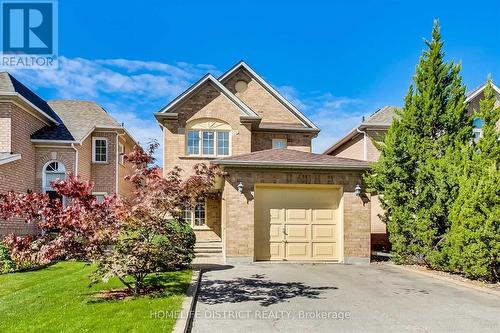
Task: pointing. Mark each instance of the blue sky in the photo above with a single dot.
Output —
(336, 60)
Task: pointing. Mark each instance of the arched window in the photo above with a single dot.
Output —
(208, 137)
(52, 171)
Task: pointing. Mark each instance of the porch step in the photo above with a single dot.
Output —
(208, 252)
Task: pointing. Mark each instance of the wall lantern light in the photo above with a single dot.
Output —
(357, 190)
(240, 187)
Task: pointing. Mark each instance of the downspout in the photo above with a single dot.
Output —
(76, 158)
(365, 143)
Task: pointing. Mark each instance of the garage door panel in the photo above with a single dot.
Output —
(324, 232)
(298, 251)
(297, 216)
(276, 251)
(326, 216)
(275, 215)
(325, 250)
(275, 232)
(298, 232)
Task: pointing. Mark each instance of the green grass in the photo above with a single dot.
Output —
(58, 299)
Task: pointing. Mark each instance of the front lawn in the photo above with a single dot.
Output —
(58, 299)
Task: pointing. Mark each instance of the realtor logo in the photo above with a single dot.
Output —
(29, 33)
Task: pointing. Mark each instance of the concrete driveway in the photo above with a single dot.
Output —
(265, 297)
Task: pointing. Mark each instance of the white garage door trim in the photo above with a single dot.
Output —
(340, 226)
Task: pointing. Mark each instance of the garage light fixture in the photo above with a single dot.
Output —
(357, 190)
(240, 187)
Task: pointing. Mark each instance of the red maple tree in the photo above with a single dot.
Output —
(127, 237)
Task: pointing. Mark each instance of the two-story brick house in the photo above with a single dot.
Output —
(359, 143)
(279, 201)
(41, 141)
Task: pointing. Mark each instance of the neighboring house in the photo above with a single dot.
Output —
(42, 141)
(278, 201)
(359, 144)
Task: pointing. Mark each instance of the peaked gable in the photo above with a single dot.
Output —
(171, 109)
(262, 98)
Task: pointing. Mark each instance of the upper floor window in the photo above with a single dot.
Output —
(99, 150)
(477, 128)
(208, 138)
(279, 143)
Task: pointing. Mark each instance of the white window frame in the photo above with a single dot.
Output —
(193, 214)
(200, 143)
(121, 153)
(100, 193)
(94, 147)
(279, 140)
(477, 130)
(47, 188)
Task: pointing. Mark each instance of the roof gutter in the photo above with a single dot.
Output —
(22, 98)
(54, 141)
(289, 165)
(352, 133)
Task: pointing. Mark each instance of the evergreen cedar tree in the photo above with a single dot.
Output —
(473, 245)
(438, 189)
(125, 237)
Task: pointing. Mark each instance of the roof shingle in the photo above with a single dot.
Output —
(289, 158)
(10, 84)
(80, 117)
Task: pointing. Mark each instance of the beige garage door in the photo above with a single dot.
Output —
(297, 223)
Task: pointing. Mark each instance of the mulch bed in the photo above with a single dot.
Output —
(119, 294)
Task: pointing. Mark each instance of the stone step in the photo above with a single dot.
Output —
(209, 255)
(208, 250)
(208, 245)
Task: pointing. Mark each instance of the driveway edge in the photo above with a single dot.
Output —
(447, 279)
(185, 319)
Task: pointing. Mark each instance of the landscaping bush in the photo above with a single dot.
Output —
(166, 245)
(6, 263)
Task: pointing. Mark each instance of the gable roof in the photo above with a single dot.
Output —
(289, 158)
(245, 111)
(472, 94)
(382, 118)
(306, 121)
(9, 85)
(79, 117)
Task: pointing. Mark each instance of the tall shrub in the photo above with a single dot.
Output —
(474, 240)
(413, 175)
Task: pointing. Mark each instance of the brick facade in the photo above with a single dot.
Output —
(238, 219)
(297, 141)
(104, 174)
(260, 100)
(125, 188)
(19, 176)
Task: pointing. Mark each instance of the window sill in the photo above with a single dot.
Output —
(197, 157)
(202, 228)
(94, 162)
